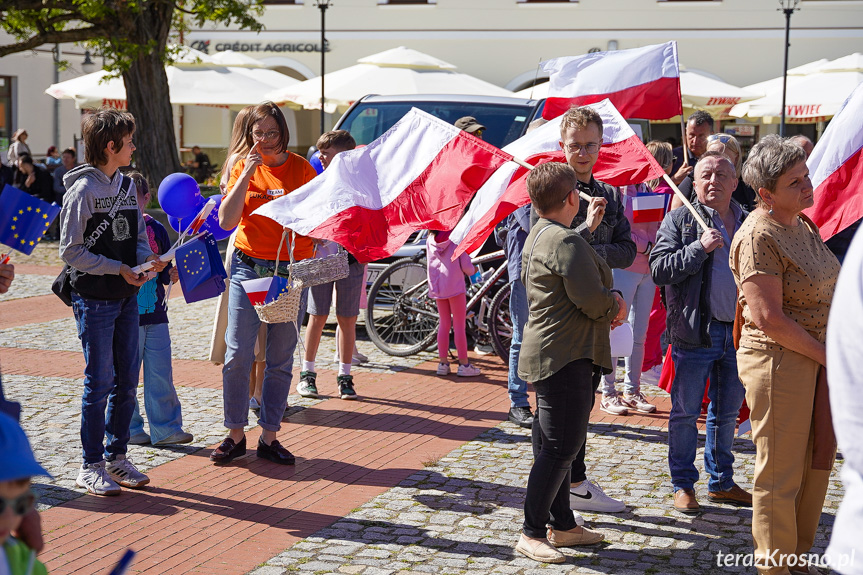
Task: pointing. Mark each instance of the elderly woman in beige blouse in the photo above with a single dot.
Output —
(786, 276)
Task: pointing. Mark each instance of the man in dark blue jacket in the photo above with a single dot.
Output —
(701, 298)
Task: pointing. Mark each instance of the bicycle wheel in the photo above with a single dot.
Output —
(500, 324)
(401, 318)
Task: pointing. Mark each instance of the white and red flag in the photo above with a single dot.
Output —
(649, 207)
(641, 82)
(418, 175)
(836, 169)
(623, 161)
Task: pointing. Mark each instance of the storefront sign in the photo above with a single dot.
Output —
(204, 46)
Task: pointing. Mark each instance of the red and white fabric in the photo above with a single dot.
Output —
(836, 169)
(420, 174)
(641, 82)
(623, 160)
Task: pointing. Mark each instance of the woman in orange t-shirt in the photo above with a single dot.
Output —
(267, 172)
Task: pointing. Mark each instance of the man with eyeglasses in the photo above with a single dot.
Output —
(603, 224)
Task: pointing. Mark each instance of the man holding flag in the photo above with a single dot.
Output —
(602, 223)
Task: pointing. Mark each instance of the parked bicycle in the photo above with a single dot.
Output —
(402, 319)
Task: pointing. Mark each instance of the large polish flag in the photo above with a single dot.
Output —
(623, 161)
(419, 174)
(836, 167)
(641, 82)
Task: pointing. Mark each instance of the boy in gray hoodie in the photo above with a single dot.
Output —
(102, 243)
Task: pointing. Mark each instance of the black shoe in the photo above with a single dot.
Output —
(346, 387)
(521, 416)
(229, 451)
(275, 453)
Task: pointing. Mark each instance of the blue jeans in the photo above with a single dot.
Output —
(108, 330)
(243, 324)
(638, 291)
(692, 367)
(160, 397)
(518, 311)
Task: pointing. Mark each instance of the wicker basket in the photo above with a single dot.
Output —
(317, 271)
(286, 308)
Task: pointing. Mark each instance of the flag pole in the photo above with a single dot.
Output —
(524, 164)
(683, 136)
(686, 202)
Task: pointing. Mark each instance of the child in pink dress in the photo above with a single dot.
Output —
(446, 286)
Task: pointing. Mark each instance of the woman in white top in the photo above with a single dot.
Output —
(18, 147)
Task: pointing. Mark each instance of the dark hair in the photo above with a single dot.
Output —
(700, 117)
(549, 184)
(70, 151)
(51, 150)
(268, 110)
(25, 159)
(99, 129)
(141, 183)
(340, 139)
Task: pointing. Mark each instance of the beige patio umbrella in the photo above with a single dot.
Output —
(814, 95)
(397, 71)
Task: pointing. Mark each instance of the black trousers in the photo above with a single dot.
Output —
(563, 404)
(579, 468)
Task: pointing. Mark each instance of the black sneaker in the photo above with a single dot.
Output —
(346, 386)
(521, 416)
(307, 387)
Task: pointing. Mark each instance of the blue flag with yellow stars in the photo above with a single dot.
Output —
(202, 274)
(24, 219)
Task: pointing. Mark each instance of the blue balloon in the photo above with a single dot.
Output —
(179, 195)
(178, 224)
(315, 161)
(211, 224)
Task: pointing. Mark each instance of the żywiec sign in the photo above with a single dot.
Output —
(204, 46)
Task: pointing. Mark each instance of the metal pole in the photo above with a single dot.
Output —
(788, 13)
(57, 57)
(323, 5)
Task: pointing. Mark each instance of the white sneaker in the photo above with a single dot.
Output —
(360, 356)
(468, 371)
(483, 349)
(651, 376)
(638, 402)
(613, 405)
(123, 472)
(95, 479)
(590, 497)
(443, 369)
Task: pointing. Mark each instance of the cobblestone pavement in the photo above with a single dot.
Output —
(461, 513)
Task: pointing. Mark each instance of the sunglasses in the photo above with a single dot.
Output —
(21, 505)
(722, 138)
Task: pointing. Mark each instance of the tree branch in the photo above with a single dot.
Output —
(53, 37)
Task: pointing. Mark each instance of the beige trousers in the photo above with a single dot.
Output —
(788, 495)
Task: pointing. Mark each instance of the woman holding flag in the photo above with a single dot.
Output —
(267, 172)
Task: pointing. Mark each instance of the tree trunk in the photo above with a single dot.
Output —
(148, 97)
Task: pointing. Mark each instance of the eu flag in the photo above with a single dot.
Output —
(202, 274)
(24, 219)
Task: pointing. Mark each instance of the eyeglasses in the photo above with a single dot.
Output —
(21, 505)
(591, 148)
(722, 138)
(271, 135)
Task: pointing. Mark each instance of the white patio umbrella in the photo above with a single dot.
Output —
(815, 95)
(189, 86)
(231, 58)
(397, 71)
(699, 92)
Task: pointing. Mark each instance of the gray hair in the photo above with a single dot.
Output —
(768, 160)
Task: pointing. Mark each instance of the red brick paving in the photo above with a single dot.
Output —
(348, 453)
